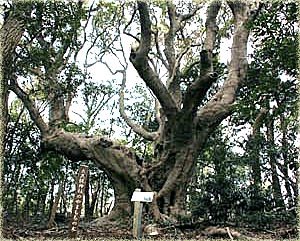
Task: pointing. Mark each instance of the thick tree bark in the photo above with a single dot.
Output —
(11, 34)
(123, 189)
(117, 161)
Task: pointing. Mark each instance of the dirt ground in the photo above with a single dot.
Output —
(101, 229)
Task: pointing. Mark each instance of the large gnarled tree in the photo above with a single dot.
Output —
(185, 117)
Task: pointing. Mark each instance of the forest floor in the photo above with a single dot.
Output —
(103, 230)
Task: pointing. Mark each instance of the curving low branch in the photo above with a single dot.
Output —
(103, 151)
(151, 136)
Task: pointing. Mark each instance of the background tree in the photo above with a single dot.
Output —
(274, 88)
(32, 175)
(263, 191)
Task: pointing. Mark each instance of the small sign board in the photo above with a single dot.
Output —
(77, 203)
(142, 197)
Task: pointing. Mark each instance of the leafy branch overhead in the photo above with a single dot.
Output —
(189, 100)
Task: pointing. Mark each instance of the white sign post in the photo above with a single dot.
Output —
(138, 197)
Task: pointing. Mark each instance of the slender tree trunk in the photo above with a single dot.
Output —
(255, 162)
(64, 202)
(16, 176)
(272, 158)
(295, 187)
(43, 204)
(26, 206)
(102, 197)
(97, 207)
(15, 203)
(94, 199)
(253, 147)
(54, 207)
(284, 151)
(51, 201)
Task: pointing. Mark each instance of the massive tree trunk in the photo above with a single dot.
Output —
(184, 125)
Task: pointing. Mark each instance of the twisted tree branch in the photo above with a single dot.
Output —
(139, 59)
(198, 89)
(220, 106)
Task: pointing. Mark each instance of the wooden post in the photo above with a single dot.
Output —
(138, 197)
(77, 204)
(137, 217)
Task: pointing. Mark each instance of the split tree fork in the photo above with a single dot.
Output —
(184, 126)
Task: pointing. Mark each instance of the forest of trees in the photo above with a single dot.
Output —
(213, 140)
